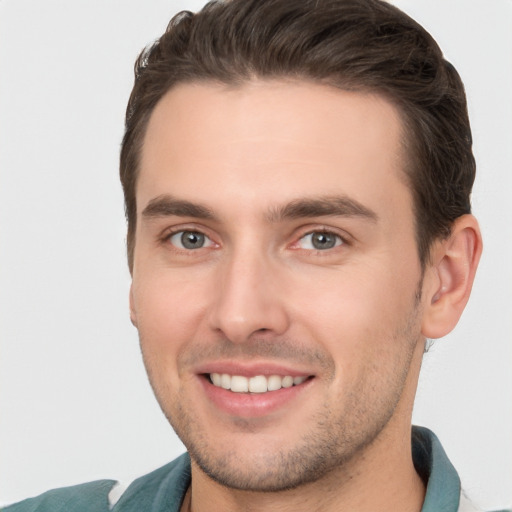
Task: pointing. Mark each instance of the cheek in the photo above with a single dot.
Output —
(356, 313)
(168, 317)
(169, 312)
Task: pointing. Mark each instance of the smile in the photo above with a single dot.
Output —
(256, 384)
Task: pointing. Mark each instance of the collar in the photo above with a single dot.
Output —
(432, 464)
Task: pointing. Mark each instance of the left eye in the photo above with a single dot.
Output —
(320, 241)
(190, 240)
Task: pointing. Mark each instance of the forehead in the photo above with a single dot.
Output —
(270, 141)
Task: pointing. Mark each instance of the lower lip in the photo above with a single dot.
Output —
(252, 405)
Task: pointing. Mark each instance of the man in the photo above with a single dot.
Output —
(297, 179)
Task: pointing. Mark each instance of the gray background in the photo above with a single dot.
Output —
(75, 403)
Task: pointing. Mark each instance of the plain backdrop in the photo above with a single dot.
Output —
(74, 400)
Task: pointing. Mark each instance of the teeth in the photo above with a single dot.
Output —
(225, 381)
(239, 384)
(257, 384)
(274, 382)
(287, 382)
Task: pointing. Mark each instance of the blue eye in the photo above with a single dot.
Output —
(320, 241)
(190, 240)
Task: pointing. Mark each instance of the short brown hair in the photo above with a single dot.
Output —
(362, 45)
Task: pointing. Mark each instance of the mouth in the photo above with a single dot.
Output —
(255, 390)
(257, 384)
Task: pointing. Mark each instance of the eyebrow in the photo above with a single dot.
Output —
(325, 206)
(167, 205)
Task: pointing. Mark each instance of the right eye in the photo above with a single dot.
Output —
(190, 240)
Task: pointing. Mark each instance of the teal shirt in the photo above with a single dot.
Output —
(163, 490)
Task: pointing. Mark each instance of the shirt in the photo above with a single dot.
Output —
(163, 490)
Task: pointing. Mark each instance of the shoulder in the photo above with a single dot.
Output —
(162, 489)
(90, 497)
(166, 485)
(443, 487)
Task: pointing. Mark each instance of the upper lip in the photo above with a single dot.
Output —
(251, 369)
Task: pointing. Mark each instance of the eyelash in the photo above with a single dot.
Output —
(166, 238)
(343, 239)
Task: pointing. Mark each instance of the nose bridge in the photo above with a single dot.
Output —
(246, 300)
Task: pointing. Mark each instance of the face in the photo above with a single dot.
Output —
(276, 279)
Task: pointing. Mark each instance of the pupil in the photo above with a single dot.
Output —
(192, 240)
(323, 241)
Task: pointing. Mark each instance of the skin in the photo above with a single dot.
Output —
(258, 294)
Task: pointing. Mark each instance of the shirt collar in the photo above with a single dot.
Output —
(433, 465)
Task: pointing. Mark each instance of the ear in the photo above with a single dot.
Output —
(133, 312)
(450, 277)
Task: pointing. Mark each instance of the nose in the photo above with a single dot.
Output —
(248, 299)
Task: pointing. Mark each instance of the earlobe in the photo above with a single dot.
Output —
(133, 313)
(451, 275)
